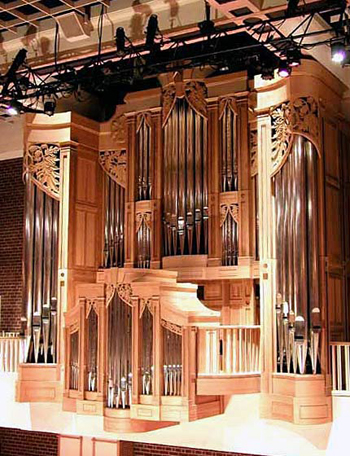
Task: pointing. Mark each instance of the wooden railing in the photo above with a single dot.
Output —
(340, 362)
(229, 350)
(12, 351)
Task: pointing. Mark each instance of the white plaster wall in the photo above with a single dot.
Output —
(11, 138)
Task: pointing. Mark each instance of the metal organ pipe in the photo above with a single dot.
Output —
(114, 200)
(40, 273)
(297, 308)
(185, 212)
(119, 360)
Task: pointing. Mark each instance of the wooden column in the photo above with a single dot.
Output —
(214, 235)
(156, 204)
(267, 262)
(130, 238)
(244, 182)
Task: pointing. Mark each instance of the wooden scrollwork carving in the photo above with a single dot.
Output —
(42, 162)
(195, 93)
(118, 129)
(299, 116)
(228, 210)
(171, 327)
(124, 291)
(113, 162)
(91, 304)
(110, 292)
(227, 102)
(146, 302)
(143, 217)
(253, 151)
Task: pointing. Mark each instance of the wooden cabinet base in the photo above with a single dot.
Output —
(120, 421)
(86, 407)
(300, 399)
(38, 383)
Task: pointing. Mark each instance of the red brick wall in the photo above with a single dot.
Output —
(147, 449)
(16, 442)
(11, 243)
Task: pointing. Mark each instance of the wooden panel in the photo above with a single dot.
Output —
(79, 245)
(333, 220)
(90, 240)
(86, 181)
(335, 307)
(331, 150)
(229, 385)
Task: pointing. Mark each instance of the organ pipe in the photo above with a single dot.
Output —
(92, 350)
(297, 309)
(74, 361)
(40, 274)
(229, 233)
(147, 352)
(229, 169)
(185, 211)
(114, 206)
(143, 245)
(172, 358)
(144, 159)
(119, 350)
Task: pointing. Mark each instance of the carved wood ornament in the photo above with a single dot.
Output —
(288, 119)
(118, 129)
(143, 217)
(113, 162)
(228, 210)
(42, 163)
(171, 327)
(193, 91)
(253, 151)
(124, 291)
(146, 302)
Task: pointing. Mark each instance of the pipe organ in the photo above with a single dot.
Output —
(41, 175)
(194, 214)
(185, 214)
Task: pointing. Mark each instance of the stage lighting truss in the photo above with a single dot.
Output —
(260, 47)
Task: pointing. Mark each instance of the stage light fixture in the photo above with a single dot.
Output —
(293, 57)
(49, 107)
(338, 51)
(152, 30)
(284, 70)
(120, 40)
(292, 7)
(267, 73)
(11, 110)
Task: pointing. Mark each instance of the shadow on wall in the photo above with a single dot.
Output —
(142, 13)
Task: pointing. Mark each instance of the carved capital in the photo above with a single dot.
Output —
(171, 327)
(124, 291)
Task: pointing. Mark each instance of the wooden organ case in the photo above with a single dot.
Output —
(175, 242)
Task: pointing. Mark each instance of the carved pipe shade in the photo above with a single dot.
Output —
(113, 162)
(300, 116)
(42, 163)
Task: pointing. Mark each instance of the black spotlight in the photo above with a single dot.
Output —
(292, 7)
(152, 30)
(267, 73)
(120, 40)
(284, 70)
(293, 57)
(338, 51)
(49, 107)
